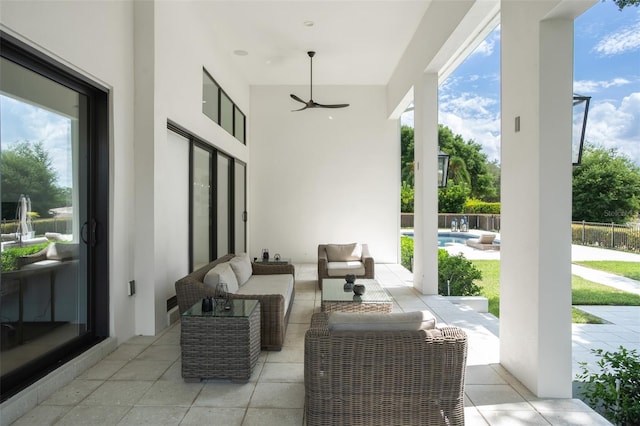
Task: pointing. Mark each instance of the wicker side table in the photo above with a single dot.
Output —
(222, 344)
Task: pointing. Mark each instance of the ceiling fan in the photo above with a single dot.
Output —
(311, 103)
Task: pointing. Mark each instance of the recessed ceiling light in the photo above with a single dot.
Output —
(240, 52)
(308, 23)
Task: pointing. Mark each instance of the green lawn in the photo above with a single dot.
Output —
(584, 292)
(625, 269)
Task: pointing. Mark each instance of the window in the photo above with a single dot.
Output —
(219, 107)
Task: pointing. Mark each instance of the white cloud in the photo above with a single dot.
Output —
(593, 86)
(624, 40)
(487, 46)
(616, 127)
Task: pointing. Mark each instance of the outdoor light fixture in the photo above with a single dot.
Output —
(580, 111)
(443, 169)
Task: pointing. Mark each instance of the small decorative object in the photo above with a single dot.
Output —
(207, 304)
(276, 256)
(221, 295)
(255, 259)
(265, 254)
(348, 286)
(358, 289)
(350, 278)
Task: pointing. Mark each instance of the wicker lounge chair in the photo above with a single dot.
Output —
(411, 377)
(362, 266)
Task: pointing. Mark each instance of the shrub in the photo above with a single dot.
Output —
(615, 390)
(460, 273)
(406, 251)
(452, 198)
(10, 255)
(477, 206)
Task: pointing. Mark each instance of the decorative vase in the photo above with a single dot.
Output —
(358, 289)
(348, 286)
(350, 278)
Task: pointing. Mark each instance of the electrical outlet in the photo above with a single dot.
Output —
(131, 289)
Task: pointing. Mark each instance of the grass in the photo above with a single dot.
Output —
(626, 269)
(583, 292)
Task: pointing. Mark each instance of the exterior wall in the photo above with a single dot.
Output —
(318, 180)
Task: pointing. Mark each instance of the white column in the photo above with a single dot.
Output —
(535, 292)
(425, 260)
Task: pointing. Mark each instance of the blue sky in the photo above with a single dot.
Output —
(607, 68)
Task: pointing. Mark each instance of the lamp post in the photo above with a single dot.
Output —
(580, 112)
(443, 169)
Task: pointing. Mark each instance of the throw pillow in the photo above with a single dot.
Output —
(241, 265)
(344, 252)
(221, 273)
(347, 321)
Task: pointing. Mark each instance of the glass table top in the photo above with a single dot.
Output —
(333, 290)
(237, 308)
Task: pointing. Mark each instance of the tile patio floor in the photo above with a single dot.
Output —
(140, 383)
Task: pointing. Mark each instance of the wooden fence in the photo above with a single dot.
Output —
(484, 222)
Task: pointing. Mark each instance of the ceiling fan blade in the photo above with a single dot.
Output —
(297, 99)
(304, 107)
(331, 106)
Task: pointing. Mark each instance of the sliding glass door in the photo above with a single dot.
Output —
(51, 229)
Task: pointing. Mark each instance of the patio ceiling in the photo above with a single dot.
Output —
(359, 42)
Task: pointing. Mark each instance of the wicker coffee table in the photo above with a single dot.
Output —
(223, 344)
(336, 298)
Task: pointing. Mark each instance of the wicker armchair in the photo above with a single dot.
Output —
(273, 322)
(383, 377)
(365, 269)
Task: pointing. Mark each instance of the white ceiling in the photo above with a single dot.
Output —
(358, 42)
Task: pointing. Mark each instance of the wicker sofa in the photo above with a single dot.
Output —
(338, 260)
(383, 377)
(266, 285)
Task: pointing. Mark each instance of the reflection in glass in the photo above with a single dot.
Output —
(226, 113)
(224, 167)
(239, 125)
(209, 96)
(201, 207)
(43, 289)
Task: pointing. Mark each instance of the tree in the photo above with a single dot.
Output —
(481, 180)
(27, 169)
(453, 198)
(606, 187)
(407, 146)
(624, 3)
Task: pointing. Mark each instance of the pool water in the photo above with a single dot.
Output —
(445, 238)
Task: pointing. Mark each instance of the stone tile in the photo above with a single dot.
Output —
(142, 340)
(559, 405)
(83, 415)
(152, 416)
(483, 375)
(513, 418)
(211, 416)
(278, 395)
(472, 417)
(43, 415)
(73, 393)
(117, 392)
(287, 354)
(282, 372)
(273, 417)
(142, 370)
(575, 418)
(224, 394)
(126, 352)
(173, 373)
(165, 392)
(496, 397)
(160, 353)
(103, 370)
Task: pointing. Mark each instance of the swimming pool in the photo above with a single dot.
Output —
(445, 238)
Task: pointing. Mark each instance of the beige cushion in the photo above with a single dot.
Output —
(486, 239)
(340, 269)
(347, 321)
(344, 252)
(241, 266)
(270, 284)
(57, 251)
(222, 273)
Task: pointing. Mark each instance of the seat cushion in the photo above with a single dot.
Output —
(344, 252)
(241, 266)
(270, 284)
(222, 273)
(348, 321)
(340, 269)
